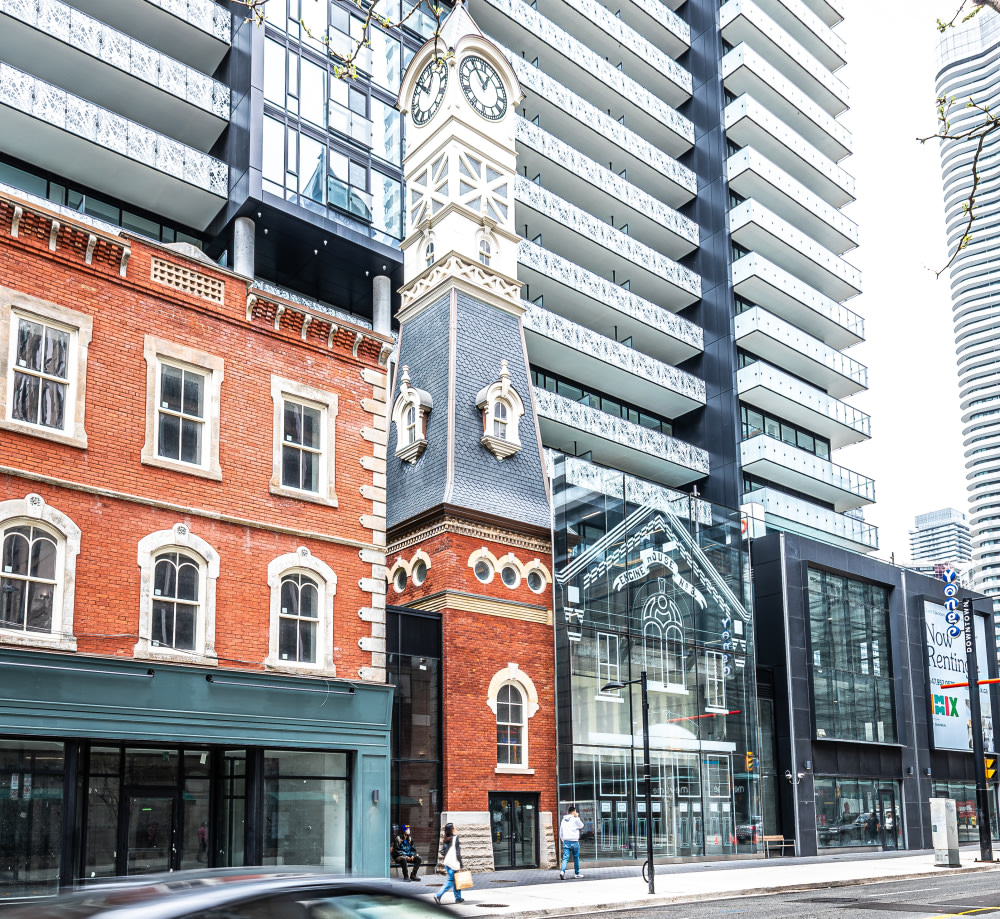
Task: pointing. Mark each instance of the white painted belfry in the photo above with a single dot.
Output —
(459, 165)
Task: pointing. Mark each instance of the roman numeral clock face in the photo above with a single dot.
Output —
(429, 92)
(483, 88)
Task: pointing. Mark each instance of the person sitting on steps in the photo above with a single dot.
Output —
(404, 854)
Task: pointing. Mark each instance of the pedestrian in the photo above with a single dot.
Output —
(871, 826)
(452, 853)
(404, 854)
(569, 835)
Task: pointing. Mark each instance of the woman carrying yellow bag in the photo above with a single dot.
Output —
(452, 853)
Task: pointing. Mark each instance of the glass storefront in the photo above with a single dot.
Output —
(858, 812)
(964, 796)
(652, 580)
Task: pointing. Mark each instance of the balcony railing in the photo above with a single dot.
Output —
(785, 512)
(805, 471)
(814, 34)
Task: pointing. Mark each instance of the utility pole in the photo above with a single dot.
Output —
(975, 712)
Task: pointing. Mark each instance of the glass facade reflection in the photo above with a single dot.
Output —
(964, 796)
(651, 579)
(858, 812)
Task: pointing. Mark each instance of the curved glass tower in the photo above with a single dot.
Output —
(967, 65)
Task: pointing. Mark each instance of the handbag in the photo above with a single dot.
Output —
(463, 879)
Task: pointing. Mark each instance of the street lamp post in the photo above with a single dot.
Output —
(645, 755)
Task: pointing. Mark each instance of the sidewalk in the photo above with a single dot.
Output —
(532, 894)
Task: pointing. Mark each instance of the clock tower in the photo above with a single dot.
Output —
(468, 512)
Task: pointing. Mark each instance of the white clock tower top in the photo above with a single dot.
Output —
(459, 97)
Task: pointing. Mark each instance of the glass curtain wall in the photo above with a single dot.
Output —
(964, 796)
(651, 579)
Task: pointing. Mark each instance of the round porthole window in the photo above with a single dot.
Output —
(510, 576)
(420, 572)
(484, 571)
(399, 581)
(536, 582)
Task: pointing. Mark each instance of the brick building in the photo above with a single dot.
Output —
(192, 518)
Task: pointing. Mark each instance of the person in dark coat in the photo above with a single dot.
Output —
(403, 853)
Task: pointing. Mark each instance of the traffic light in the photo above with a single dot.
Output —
(991, 767)
(749, 762)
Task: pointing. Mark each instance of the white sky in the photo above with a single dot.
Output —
(915, 454)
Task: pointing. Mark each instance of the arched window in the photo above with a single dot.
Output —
(675, 655)
(176, 601)
(513, 700)
(28, 585)
(409, 416)
(299, 619)
(38, 550)
(500, 413)
(485, 251)
(302, 592)
(429, 254)
(510, 726)
(178, 572)
(410, 428)
(653, 651)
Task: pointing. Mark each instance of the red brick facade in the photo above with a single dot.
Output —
(116, 499)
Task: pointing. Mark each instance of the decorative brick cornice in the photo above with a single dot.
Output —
(479, 531)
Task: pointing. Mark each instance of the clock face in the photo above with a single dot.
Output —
(483, 88)
(429, 92)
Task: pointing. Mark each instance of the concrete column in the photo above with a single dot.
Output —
(243, 246)
(382, 305)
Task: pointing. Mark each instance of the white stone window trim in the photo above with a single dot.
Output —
(513, 675)
(302, 561)
(407, 449)
(486, 401)
(178, 538)
(80, 327)
(158, 352)
(483, 554)
(33, 510)
(325, 402)
(407, 567)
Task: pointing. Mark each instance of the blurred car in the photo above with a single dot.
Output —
(752, 831)
(848, 830)
(244, 893)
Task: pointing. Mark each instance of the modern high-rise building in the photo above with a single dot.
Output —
(680, 254)
(968, 57)
(941, 537)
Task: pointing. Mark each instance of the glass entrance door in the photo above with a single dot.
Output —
(514, 824)
(890, 828)
(151, 843)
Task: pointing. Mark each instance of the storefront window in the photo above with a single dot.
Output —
(31, 816)
(858, 812)
(851, 666)
(306, 809)
(964, 796)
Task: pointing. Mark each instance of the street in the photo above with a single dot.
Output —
(958, 895)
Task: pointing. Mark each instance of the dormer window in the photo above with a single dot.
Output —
(502, 410)
(485, 251)
(409, 414)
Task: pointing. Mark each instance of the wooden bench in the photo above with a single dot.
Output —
(777, 842)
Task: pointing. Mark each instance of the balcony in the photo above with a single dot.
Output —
(658, 23)
(351, 124)
(576, 429)
(831, 12)
(197, 32)
(762, 282)
(753, 226)
(752, 175)
(69, 136)
(565, 228)
(772, 459)
(745, 21)
(65, 47)
(598, 27)
(777, 393)
(576, 293)
(573, 351)
(812, 33)
(579, 123)
(750, 124)
(576, 177)
(745, 71)
(779, 343)
(793, 515)
(571, 62)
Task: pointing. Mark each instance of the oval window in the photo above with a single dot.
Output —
(536, 582)
(399, 581)
(419, 572)
(483, 571)
(510, 576)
